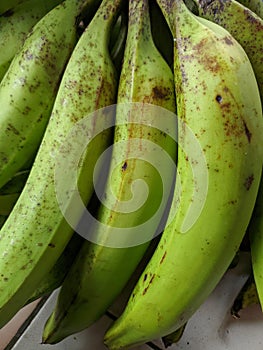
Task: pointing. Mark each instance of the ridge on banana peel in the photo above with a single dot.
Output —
(244, 25)
(218, 100)
(16, 25)
(39, 229)
(104, 265)
(29, 87)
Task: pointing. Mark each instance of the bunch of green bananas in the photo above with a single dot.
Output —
(130, 157)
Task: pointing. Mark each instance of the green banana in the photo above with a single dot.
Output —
(233, 16)
(39, 229)
(254, 5)
(255, 233)
(54, 278)
(28, 89)
(16, 25)
(104, 265)
(213, 76)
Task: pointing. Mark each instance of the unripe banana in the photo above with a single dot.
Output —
(39, 229)
(28, 89)
(244, 25)
(219, 180)
(103, 268)
(16, 25)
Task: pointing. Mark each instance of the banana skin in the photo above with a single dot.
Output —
(39, 229)
(15, 26)
(29, 88)
(243, 24)
(254, 5)
(212, 74)
(102, 269)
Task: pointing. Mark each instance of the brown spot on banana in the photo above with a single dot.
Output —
(248, 182)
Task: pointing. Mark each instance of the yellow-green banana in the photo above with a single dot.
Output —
(16, 25)
(53, 279)
(254, 5)
(219, 181)
(140, 151)
(28, 89)
(244, 25)
(39, 229)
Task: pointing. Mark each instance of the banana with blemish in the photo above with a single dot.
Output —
(244, 25)
(16, 25)
(29, 87)
(218, 172)
(140, 151)
(254, 5)
(38, 224)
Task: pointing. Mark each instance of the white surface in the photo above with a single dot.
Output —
(212, 326)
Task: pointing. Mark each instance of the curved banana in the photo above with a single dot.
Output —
(233, 16)
(254, 5)
(28, 89)
(39, 229)
(213, 77)
(15, 27)
(103, 267)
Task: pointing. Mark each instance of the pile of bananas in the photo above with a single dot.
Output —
(130, 151)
